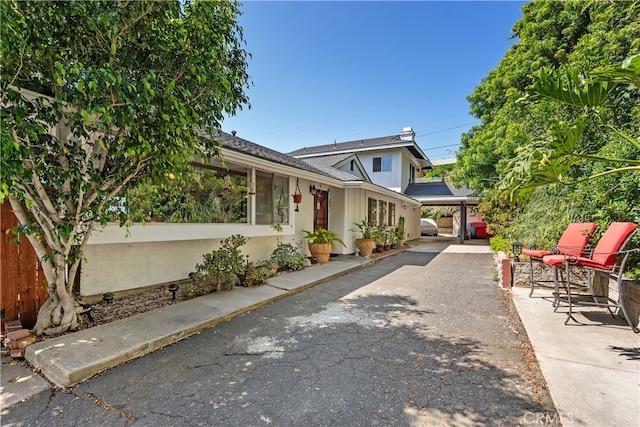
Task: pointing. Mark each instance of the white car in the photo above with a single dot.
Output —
(428, 227)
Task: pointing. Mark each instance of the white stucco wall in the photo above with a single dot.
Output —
(119, 259)
(391, 179)
(152, 254)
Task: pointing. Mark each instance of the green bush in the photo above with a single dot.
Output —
(255, 275)
(498, 243)
(287, 257)
(222, 266)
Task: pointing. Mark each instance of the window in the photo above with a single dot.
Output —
(382, 212)
(382, 164)
(272, 199)
(207, 195)
(392, 214)
(372, 213)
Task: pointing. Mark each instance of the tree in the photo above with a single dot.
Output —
(551, 36)
(550, 159)
(99, 96)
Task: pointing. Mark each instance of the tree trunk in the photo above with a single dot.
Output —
(59, 314)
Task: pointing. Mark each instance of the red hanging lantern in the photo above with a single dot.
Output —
(297, 196)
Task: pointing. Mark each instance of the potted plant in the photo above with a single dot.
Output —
(379, 237)
(388, 234)
(365, 243)
(321, 243)
(400, 231)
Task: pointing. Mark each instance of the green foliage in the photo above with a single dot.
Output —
(323, 236)
(223, 265)
(202, 198)
(287, 257)
(255, 275)
(384, 235)
(436, 212)
(563, 107)
(439, 171)
(552, 159)
(498, 243)
(400, 230)
(366, 229)
(99, 96)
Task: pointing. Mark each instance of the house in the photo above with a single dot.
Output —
(119, 259)
(396, 162)
(392, 161)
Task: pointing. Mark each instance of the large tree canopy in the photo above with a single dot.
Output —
(568, 39)
(99, 95)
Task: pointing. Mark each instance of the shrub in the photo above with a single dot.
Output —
(498, 243)
(222, 266)
(255, 275)
(287, 257)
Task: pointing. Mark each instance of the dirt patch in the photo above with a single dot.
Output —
(532, 373)
(120, 308)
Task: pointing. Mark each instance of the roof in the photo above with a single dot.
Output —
(392, 141)
(350, 146)
(240, 145)
(326, 163)
(447, 161)
(439, 193)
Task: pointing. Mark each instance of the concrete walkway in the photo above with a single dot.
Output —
(592, 370)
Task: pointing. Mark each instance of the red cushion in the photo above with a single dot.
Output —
(572, 242)
(611, 242)
(605, 252)
(556, 259)
(536, 253)
(575, 238)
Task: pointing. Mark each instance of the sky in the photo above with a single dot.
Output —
(325, 72)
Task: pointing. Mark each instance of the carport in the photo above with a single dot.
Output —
(443, 193)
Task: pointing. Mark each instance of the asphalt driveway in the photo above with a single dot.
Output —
(414, 339)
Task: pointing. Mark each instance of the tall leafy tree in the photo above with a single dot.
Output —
(552, 35)
(551, 159)
(98, 96)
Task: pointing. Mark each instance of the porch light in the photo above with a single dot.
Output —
(107, 297)
(173, 288)
(516, 248)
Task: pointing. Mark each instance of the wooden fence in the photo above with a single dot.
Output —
(22, 281)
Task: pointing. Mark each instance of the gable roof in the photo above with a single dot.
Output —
(327, 163)
(380, 143)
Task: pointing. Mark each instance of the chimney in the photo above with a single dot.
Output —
(407, 134)
(233, 132)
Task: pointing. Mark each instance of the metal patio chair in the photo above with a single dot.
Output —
(574, 242)
(610, 248)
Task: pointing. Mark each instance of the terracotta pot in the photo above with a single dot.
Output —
(320, 251)
(297, 198)
(365, 246)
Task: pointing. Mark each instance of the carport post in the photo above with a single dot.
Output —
(463, 222)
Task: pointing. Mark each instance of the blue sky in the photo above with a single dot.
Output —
(341, 71)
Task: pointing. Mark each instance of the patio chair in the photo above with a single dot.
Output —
(574, 241)
(610, 248)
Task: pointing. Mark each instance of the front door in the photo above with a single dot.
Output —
(321, 210)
